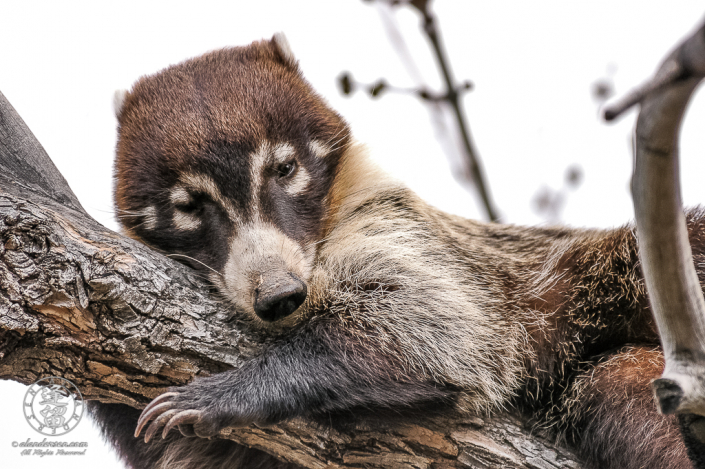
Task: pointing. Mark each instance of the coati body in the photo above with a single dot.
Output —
(361, 294)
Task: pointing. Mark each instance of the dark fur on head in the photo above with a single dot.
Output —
(206, 116)
(233, 163)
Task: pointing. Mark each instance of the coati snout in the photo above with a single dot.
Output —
(278, 296)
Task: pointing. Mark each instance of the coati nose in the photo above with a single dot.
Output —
(278, 297)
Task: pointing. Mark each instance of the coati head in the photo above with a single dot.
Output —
(225, 161)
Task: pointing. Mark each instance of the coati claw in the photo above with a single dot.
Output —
(160, 398)
(158, 422)
(181, 419)
(168, 411)
(150, 412)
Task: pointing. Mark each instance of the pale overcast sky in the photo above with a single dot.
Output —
(531, 111)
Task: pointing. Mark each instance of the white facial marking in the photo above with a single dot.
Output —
(299, 183)
(180, 196)
(258, 159)
(206, 185)
(283, 152)
(185, 221)
(149, 218)
(318, 148)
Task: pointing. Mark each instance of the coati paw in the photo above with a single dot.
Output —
(170, 410)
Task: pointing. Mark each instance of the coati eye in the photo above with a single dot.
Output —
(188, 209)
(191, 206)
(286, 169)
(185, 201)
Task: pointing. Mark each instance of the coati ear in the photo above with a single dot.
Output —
(281, 45)
(119, 101)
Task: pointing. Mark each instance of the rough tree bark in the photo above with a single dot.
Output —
(124, 322)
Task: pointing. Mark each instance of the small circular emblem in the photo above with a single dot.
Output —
(53, 406)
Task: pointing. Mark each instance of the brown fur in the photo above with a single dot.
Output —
(406, 305)
(210, 101)
(612, 417)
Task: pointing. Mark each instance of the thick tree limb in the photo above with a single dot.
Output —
(665, 252)
(124, 323)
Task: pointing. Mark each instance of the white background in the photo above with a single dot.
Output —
(531, 112)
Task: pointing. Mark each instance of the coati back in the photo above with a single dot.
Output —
(360, 294)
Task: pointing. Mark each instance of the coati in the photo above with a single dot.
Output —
(361, 295)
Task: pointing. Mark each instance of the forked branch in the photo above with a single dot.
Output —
(674, 289)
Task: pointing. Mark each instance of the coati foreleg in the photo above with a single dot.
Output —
(312, 369)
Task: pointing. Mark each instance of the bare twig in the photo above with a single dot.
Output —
(471, 169)
(453, 97)
(349, 85)
(670, 72)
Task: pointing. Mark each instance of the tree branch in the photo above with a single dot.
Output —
(124, 323)
(470, 171)
(665, 252)
(476, 173)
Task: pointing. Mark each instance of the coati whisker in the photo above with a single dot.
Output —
(341, 128)
(338, 143)
(184, 256)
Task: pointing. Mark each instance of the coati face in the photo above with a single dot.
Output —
(225, 162)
